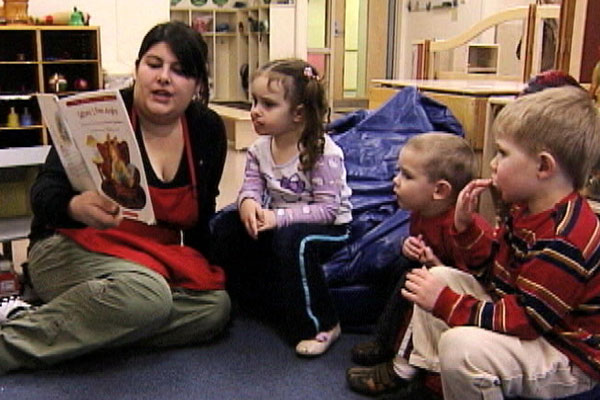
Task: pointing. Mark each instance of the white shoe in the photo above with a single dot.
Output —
(11, 305)
(320, 344)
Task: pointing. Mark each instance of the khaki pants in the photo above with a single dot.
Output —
(96, 301)
(479, 364)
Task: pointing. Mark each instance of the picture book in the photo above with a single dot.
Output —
(93, 136)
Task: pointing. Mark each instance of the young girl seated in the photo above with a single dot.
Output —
(293, 209)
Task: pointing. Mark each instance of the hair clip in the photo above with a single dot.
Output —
(310, 73)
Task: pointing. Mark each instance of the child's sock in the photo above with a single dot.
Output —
(403, 369)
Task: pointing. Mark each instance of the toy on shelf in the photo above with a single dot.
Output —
(75, 17)
(26, 119)
(223, 27)
(202, 24)
(57, 83)
(9, 281)
(81, 84)
(12, 121)
(15, 11)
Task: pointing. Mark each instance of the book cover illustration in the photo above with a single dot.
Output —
(96, 126)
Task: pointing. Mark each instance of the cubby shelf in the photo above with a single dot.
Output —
(29, 56)
(236, 37)
(35, 54)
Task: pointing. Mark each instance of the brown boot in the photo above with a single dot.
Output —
(370, 353)
(375, 380)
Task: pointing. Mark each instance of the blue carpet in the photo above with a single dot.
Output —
(250, 362)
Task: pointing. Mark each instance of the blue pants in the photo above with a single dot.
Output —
(279, 275)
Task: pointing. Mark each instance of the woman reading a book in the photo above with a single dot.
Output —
(107, 281)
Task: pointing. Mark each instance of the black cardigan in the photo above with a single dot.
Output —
(52, 192)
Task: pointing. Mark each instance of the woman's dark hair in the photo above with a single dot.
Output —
(303, 87)
(187, 45)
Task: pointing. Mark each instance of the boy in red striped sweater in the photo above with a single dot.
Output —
(532, 327)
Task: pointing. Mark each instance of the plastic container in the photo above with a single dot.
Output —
(9, 282)
(15, 11)
(12, 121)
(26, 119)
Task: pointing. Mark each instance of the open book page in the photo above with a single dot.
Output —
(99, 126)
(65, 146)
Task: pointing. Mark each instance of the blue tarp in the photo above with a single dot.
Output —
(371, 142)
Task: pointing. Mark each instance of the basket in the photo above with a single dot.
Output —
(15, 11)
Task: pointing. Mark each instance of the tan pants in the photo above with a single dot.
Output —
(479, 364)
(96, 301)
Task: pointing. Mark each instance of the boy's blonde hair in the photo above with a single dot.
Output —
(562, 121)
(445, 156)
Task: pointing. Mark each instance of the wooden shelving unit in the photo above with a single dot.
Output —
(235, 37)
(34, 55)
(29, 56)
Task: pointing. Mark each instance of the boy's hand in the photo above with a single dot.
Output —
(94, 210)
(428, 258)
(467, 201)
(266, 220)
(422, 288)
(413, 247)
(249, 214)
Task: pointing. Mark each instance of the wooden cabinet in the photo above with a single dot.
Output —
(30, 57)
(467, 99)
(239, 40)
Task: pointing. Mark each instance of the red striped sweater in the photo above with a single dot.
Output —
(544, 280)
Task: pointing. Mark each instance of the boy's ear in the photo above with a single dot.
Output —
(298, 113)
(443, 190)
(546, 165)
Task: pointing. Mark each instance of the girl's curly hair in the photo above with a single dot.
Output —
(303, 87)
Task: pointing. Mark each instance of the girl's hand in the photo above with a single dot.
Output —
(413, 247)
(266, 220)
(249, 214)
(94, 210)
(422, 288)
(467, 201)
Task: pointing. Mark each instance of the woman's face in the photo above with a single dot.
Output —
(161, 91)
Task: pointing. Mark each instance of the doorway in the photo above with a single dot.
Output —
(348, 43)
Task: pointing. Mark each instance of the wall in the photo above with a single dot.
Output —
(122, 25)
(441, 24)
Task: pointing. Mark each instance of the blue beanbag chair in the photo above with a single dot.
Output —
(371, 142)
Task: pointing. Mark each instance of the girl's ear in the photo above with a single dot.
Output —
(546, 165)
(443, 190)
(298, 113)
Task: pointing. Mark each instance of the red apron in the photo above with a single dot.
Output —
(159, 246)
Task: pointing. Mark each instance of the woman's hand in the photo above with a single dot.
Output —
(94, 210)
(267, 220)
(422, 288)
(250, 214)
(467, 201)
